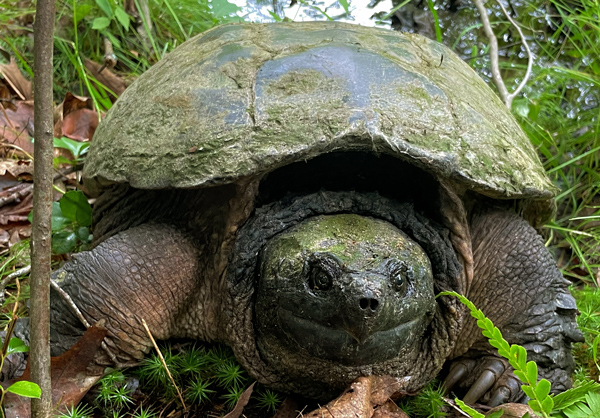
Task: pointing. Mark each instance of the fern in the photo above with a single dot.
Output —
(588, 409)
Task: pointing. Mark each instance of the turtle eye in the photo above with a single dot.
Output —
(320, 279)
(400, 275)
(399, 282)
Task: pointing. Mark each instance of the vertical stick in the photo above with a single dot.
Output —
(39, 359)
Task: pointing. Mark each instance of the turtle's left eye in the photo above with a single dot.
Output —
(400, 275)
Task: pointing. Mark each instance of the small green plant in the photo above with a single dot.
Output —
(542, 402)
(199, 391)
(428, 403)
(11, 346)
(268, 400)
(193, 361)
(143, 413)
(79, 411)
(77, 148)
(22, 387)
(152, 371)
(114, 395)
(232, 396)
(230, 374)
(71, 221)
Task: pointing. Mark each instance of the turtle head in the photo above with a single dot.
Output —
(346, 288)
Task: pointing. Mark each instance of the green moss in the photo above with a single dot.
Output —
(298, 82)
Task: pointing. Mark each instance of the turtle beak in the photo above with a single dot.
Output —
(359, 334)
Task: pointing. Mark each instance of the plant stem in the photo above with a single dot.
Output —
(39, 359)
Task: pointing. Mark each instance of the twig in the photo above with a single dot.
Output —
(506, 97)
(67, 298)
(110, 59)
(163, 363)
(493, 50)
(17, 273)
(510, 97)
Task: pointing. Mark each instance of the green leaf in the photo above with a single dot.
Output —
(344, 4)
(528, 390)
(74, 206)
(496, 414)
(15, 345)
(547, 405)
(222, 8)
(100, 23)
(64, 242)
(542, 389)
(26, 389)
(84, 233)
(58, 219)
(81, 11)
(105, 6)
(532, 372)
(275, 16)
(535, 405)
(122, 17)
(466, 408)
(574, 395)
(77, 148)
(61, 159)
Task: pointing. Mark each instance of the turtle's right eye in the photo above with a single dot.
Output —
(320, 279)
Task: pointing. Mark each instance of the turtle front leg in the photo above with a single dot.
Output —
(145, 273)
(518, 286)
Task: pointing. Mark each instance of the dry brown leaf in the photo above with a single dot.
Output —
(107, 78)
(241, 403)
(75, 118)
(16, 167)
(513, 410)
(70, 378)
(364, 399)
(15, 79)
(389, 410)
(80, 124)
(16, 127)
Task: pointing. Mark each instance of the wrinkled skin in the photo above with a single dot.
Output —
(134, 269)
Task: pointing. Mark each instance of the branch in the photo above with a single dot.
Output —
(510, 97)
(506, 97)
(39, 359)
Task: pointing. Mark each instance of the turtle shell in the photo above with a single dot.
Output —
(242, 100)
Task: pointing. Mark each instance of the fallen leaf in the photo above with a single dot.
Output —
(107, 78)
(15, 79)
(75, 118)
(364, 399)
(16, 126)
(389, 410)
(241, 403)
(513, 410)
(16, 167)
(80, 125)
(70, 378)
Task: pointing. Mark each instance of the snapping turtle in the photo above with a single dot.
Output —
(301, 192)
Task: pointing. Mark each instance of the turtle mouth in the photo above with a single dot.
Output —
(345, 346)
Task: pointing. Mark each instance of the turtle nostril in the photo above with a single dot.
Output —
(365, 303)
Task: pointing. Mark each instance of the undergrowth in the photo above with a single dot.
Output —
(209, 378)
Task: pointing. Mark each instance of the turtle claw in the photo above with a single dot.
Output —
(489, 380)
(458, 371)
